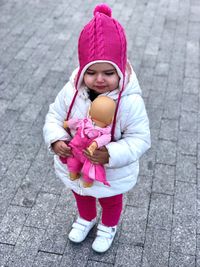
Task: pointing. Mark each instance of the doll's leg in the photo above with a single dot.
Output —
(74, 167)
(111, 209)
(87, 182)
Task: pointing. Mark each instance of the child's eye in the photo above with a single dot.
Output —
(109, 73)
(89, 73)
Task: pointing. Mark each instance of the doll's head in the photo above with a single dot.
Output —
(102, 111)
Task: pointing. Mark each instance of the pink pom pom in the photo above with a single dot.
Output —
(103, 8)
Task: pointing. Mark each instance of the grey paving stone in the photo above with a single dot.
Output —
(7, 154)
(24, 53)
(156, 99)
(8, 119)
(181, 260)
(162, 69)
(77, 254)
(166, 153)
(152, 46)
(191, 86)
(190, 102)
(160, 213)
(147, 162)
(5, 252)
(9, 182)
(176, 71)
(52, 184)
(98, 264)
(47, 259)
(169, 129)
(198, 214)
(128, 256)
(41, 213)
(192, 70)
(186, 168)
(173, 91)
(164, 177)
(133, 225)
(183, 238)
(185, 198)
(198, 251)
(192, 51)
(149, 60)
(12, 223)
(154, 142)
(3, 105)
(198, 156)
(159, 83)
(187, 143)
(20, 134)
(28, 150)
(30, 113)
(56, 235)
(10, 92)
(31, 184)
(155, 115)
(21, 101)
(140, 194)
(26, 248)
(156, 248)
(145, 77)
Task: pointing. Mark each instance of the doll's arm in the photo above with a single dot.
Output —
(92, 147)
(71, 123)
(65, 124)
(99, 142)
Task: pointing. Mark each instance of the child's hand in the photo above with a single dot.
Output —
(61, 149)
(100, 156)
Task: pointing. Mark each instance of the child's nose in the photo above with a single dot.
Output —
(100, 77)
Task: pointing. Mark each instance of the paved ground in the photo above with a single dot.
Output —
(160, 226)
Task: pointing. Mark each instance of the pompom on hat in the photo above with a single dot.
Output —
(102, 40)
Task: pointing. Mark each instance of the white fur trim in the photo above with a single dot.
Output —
(100, 61)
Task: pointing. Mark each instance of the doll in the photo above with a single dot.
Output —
(91, 133)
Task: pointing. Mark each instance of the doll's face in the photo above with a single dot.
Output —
(101, 77)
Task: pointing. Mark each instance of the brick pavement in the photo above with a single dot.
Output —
(160, 225)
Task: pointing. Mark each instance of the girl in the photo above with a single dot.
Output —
(103, 70)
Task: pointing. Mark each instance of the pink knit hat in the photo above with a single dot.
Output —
(102, 40)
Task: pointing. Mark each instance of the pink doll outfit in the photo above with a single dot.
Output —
(86, 133)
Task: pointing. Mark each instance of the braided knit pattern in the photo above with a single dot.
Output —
(91, 33)
(100, 37)
(123, 44)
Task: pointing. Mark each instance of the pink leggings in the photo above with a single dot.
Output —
(111, 208)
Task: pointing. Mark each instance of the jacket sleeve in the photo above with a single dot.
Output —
(53, 128)
(135, 136)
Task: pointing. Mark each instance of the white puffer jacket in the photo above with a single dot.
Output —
(131, 132)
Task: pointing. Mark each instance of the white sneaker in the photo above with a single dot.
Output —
(80, 229)
(104, 239)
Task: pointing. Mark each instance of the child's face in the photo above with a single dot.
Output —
(101, 77)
